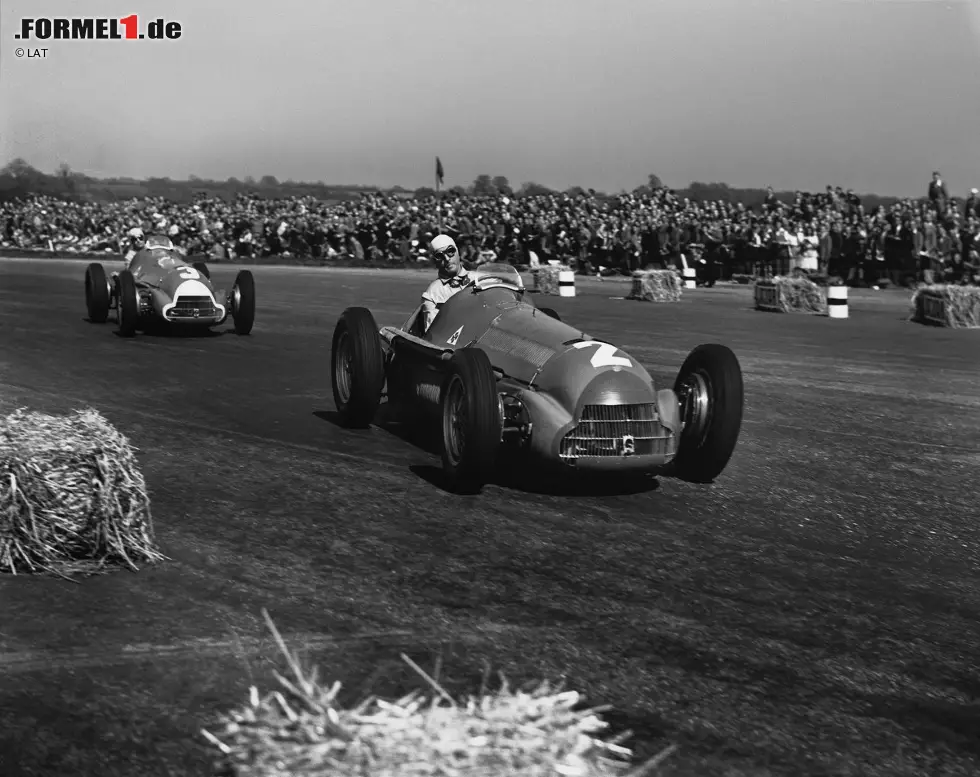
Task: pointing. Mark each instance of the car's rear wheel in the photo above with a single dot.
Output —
(202, 268)
(711, 393)
(357, 367)
(243, 302)
(550, 312)
(471, 421)
(128, 304)
(96, 294)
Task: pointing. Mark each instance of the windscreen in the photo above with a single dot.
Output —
(494, 273)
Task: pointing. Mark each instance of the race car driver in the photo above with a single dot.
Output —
(452, 278)
(136, 242)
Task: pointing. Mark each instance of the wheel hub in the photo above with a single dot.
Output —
(454, 422)
(695, 405)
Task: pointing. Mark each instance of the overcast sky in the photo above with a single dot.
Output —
(868, 94)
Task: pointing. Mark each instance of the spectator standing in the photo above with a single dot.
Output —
(938, 195)
(972, 207)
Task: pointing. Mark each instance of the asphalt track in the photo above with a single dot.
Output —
(815, 611)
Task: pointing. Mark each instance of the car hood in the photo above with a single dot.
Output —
(563, 361)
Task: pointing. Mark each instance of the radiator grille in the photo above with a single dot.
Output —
(185, 306)
(617, 430)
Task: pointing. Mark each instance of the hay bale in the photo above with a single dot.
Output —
(72, 498)
(947, 305)
(790, 295)
(299, 730)
(546, 277)
(656, 286)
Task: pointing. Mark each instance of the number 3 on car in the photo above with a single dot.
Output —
(189, 273)
(605, 355)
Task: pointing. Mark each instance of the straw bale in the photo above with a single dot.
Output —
(300, 730)
(656, 286)
(72, 497)
(546, 278)
(954, 306)
(796, 295)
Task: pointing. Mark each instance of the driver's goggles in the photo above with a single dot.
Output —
(446, 253)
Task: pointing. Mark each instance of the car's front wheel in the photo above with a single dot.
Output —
(96, 294)
(357, 367)
(243, 302)
(128, 303)
(710, 389)
(471, 421)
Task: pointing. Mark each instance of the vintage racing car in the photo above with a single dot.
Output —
(495, 370)
(159, 287)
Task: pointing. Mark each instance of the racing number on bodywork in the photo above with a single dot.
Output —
(188, 273)
(605, 355)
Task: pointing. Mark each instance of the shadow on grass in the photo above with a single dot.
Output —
(514, 473)
(542, 482)
(407, 433)
(177, 333)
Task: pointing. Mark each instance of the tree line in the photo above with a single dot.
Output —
(19, 179)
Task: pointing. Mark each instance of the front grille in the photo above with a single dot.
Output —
(617, 430)
(185, 306)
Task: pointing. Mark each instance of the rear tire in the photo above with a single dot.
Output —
(128, 305)
(710, 388)
(243, 302)
(550, 312)
(471, 424)
(202, 268)
(357, 367)
(96, 294)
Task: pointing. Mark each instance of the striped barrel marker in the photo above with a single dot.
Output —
(566, 283)
(690, 278)
(837, 301)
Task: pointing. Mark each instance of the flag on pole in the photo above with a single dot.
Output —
(440, 175)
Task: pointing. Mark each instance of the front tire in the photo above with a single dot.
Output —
(711, 392)
(96, 294)
(471, 423)
(243, 302)
(357, 367)
(128, 304)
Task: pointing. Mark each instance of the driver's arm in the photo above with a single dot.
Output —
(428, 312)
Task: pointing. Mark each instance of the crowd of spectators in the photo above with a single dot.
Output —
(828, 233)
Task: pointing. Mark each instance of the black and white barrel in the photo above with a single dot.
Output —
(566, 283)
(837, 301)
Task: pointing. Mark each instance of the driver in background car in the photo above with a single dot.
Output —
(136, 240)
(452, 278)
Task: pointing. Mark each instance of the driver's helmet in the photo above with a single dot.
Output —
(136, 238)
(445, 255)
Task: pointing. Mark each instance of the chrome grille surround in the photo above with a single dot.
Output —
(184, 307)
(617, 431)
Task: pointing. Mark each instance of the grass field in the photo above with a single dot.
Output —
(815, 611)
